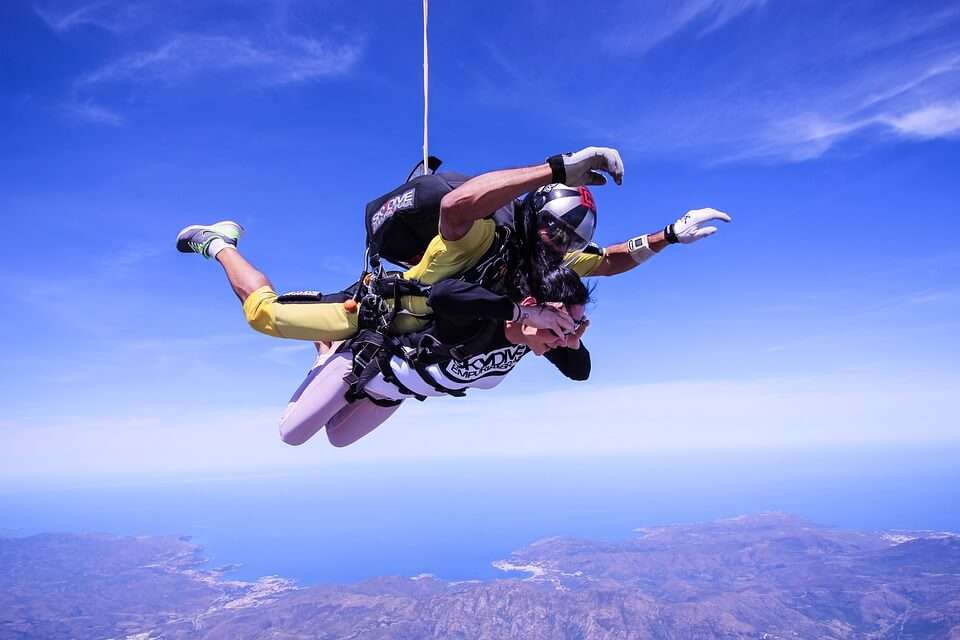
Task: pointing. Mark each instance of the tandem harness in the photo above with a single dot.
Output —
(374, 346)
(399, 227)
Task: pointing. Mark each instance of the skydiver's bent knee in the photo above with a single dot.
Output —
(356, 420)
(292, 435)
(326, 321)
(340, 440)
(258, 309)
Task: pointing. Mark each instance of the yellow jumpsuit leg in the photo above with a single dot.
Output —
(314, 322)
(319, 322)
(325, 322)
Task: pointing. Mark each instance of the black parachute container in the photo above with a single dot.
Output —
(400, 224)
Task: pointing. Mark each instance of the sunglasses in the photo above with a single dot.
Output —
(561, 236)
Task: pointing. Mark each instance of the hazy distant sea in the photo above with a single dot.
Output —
(349, 523)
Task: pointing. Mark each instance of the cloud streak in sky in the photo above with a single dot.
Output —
(109, 15)
(825, 411)
(789, 85)
(289, 59)
(665, 20)
(899, 82)
(84, 109)
(892, 101)
(267, 51)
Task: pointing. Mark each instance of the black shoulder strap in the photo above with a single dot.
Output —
(493, 266)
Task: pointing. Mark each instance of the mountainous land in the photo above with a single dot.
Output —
(760, 577)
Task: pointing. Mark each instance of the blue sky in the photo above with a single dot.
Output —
(825, 315)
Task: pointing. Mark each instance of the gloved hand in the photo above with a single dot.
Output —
(687, 229)
(583, 167)
(547, 317)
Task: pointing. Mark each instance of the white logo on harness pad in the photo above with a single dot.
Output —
(494, 362)
(396, 203)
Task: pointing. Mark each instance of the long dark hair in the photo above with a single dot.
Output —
(563, 284)
(534, 258)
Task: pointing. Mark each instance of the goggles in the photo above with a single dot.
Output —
(560, 236)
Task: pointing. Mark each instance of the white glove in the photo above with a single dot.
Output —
(584, 166)
(687, 229)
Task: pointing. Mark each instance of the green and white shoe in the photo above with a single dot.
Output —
(197, 238)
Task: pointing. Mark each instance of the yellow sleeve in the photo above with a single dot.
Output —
(584, 263)
(446, 258)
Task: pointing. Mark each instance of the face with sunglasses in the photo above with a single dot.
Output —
(559, 236)
(541, 341)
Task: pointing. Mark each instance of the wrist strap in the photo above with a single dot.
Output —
(558, 169)
(639, 248)
(670, 234)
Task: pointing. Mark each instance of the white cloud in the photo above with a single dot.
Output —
(703, 415)
(695, 416)
(912, 81)
(904, 24)
(886, 104)
(811, 135)
(662, 21)
(721, 12)
(790, 89)
(171, 48)
(109, 15)
(120, 446)
(290, 59)
(934, 121)
(93, 113)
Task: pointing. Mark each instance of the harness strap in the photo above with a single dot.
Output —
(371, 356)
(373, 347)
(394, 283)
(381, 402)
(387, 371)
(374, 312)
(365, 348)
(421, 370)
(430, 350)
(493, 266)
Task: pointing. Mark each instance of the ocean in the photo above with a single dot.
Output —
(453, 519)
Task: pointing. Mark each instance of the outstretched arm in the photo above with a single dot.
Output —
(622, 257)
(479, 197)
